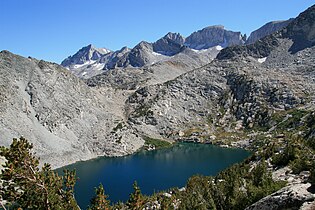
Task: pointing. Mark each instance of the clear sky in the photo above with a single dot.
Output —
(54, 29)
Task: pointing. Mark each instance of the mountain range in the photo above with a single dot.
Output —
(184, 89)
(90, 61)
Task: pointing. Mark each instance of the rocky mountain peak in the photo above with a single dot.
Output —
(214, 26)
(143, 45)
(124, 49)
(212, 36)
(170, 44)
(175, 37)
(267, 29)
(302, 30)
(85, 54)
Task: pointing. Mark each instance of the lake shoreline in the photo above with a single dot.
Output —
(169, 168)
(242, 144)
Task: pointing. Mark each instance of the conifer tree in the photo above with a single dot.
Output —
(26, 186)
(136, 198)
(99, 201)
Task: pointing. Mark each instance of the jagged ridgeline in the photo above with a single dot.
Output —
(258, 96)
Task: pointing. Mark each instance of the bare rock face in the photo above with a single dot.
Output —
(290, 197)
(267, 29)
(302, 30)
(88, 53)
(110, 60)
(213, 36)
(170, 44)
(65, 119)
(140, 55)
(225, 91)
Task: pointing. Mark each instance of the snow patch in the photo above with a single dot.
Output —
(84, 64)
(157, 54)
(98, 66)
(104, 50)
(84, 73)
(199, 51)
(218, 47)
(261, 60)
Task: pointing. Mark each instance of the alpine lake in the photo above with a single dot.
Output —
(154, 171)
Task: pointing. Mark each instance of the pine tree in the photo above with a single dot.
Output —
(99, 201)
(166, 203)
(136, 198)
(26, 186)
(198, 194)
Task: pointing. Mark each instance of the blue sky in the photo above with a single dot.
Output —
(54, 29)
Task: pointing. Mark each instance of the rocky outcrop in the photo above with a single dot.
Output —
(260, 49)
(290, 197)
(267, 29)
(213, 36)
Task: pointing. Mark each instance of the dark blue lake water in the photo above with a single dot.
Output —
(153, 170)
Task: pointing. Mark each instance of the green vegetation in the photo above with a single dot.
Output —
(119, 126)
(293, 120)
(99, 201)
(228, 136)
(295, 153)
(156, 143)
(25, 186)
(142, 111)
(234, 188)
(136, 200)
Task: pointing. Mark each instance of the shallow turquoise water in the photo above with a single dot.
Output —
(153, 170)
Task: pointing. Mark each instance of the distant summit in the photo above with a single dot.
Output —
(212, 36)
(85, 54)
(170, 44)
(267, 29)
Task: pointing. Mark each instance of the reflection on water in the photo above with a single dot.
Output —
(153, 170)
